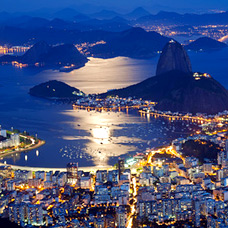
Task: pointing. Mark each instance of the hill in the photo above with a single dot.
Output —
(176, 88)
(205, 44)
(35, 53)
(137, 13)
(173, 57)
(178, 91)
(56, 90)
(201, 149)
(63, 55)
(135, 43)
(44, 55)
(105, 14)
(171, 18)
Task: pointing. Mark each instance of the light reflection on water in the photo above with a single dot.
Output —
(89, 138)
(102, 140)
(100, 75)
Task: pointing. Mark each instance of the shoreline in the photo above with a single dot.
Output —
(46, 169)
(39, 144)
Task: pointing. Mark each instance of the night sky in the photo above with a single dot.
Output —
(118, 5)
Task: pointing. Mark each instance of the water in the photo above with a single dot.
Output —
(89, 138)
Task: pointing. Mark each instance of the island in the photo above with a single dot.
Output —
(56, 90)
(205, 44)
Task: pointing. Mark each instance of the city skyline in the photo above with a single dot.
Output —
(114, 119)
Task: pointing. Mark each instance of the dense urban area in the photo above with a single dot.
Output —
(163, 186)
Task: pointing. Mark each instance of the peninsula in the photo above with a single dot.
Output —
(176, 88)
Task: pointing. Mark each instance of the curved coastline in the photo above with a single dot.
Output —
(35, 146)
(85, 169)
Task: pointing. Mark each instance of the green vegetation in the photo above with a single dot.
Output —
(162, 155)
(25, 141)
(201, 149)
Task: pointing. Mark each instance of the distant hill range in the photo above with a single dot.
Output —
(65, 21)
(135, 43)
(56, 90)
(172, 18)
(205, 44)
(71, 26)
(178, 89)
(42, 54)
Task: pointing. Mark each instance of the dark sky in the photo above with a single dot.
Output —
(120, 5)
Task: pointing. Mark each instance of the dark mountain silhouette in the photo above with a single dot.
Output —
(31, 23)
(63, 55)
(81, 17)
(34, 54)
(105, 14)
(79, 22)
(168, 18)
(44, 55)
(66, 14)
(137, 13)
(19, 36)
(177, 90)
(34, 22)
(56, 90)
(8, 58)
(205, 44)
(135, 42)
(4, 15)
(116, 24)
(59, 24)
(173, 57)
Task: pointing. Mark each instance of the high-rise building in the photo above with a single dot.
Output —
(220, 157)
(207, 167)
(121, 167)
(226, 145)
(35, 215)
(121, 217)
(196, 212)
(72, 173)
(3, 133)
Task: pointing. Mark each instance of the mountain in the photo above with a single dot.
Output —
(205, 44)
(66, 14)
(178, 91)
(172, 18)
(135, 43)
(4, 16)
(8, 58)
(35, 53)
(44, 55)
(173, 57)
(33, 22)
(63, 55)
(105, 14)
(137, 13)
(81, 17)
(56, 90)
(115, 24)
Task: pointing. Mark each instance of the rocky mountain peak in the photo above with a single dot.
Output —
(173, 57)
